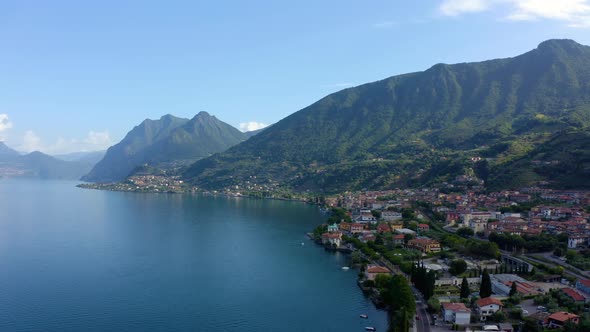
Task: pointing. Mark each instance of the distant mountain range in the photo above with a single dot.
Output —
(167, 142)
(40, 165)
(519, 114)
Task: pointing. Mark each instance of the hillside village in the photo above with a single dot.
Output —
(530, 248)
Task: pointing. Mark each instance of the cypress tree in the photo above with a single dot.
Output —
(513, 290)
(465, 291)
(486, 285)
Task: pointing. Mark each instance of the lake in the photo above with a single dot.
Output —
(73, 259)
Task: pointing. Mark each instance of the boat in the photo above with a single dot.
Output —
(370, 328)
(345, 268)
(364, 316)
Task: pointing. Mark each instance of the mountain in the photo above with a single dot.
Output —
(167, 142)
(6, 152)
(91, 157)
(418, 128)
(39, 165)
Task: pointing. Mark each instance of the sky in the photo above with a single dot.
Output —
(78, 75)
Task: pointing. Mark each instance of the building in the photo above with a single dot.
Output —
(332, 239)
(573, 241)
(383, 228)
(575, 296)
(356, 228)
(399, 239)
(425, 245)
(559, 319)
(372, 271)
(391, 215)
(583, 285)
(333, 228)
(423, 227)
(456, 313)
(487, 307)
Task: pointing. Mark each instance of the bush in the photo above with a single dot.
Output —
(369, 283)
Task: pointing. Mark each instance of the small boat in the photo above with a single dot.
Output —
(345, 268)
(364, 316)
(302, 243)
(370, 328)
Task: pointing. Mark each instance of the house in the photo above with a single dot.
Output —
(372, 271)
(423, 227)
(478, 225)
(391, 215)
(573, 241)
(332, 239)
(425, 245)
(559, 319)
(383, 228)
(396, 226)
(487, 307)
(572, 294)
(345, 226)
(356, 228)
(333, 228)
(399, 239)
(456, 313)
(367, 216)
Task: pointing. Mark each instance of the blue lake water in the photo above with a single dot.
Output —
(83, 260)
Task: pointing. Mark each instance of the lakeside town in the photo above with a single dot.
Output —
(500, 261)
(513, 260)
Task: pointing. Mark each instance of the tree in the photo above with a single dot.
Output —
(530, 325)
(401, 302)
(558, 252)
(465, 232)
(513, 290)
(457, 267)
(498, 317)
(485, 289)
(433, 305)
(465, 291)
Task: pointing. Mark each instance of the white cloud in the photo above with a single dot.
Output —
(458, 7)
(252, 125)
(94, 141)
(4, 122)
(31, 142)
(102, 139)
(575, 13)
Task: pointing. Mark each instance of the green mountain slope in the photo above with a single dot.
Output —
(410, 129)
(166, 142)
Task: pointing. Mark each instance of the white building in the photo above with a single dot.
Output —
(456, 313)
(487, 307)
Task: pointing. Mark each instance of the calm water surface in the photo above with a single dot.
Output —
(84, 260)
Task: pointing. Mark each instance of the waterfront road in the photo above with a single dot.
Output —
(422, 324)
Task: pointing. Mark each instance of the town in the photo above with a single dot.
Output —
(500, 261)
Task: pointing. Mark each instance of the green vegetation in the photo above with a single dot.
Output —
(422, 128)
(402, 304)
(337, 215)
(457, 267)
(167, 142)
(465, 291)
(485, 290)
(540, 243)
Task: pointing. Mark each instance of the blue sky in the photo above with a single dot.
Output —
(78, 75)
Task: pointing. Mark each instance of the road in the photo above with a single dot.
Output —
(423, 324)
(579, 274)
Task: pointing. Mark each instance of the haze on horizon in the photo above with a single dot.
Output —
(78, 77)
